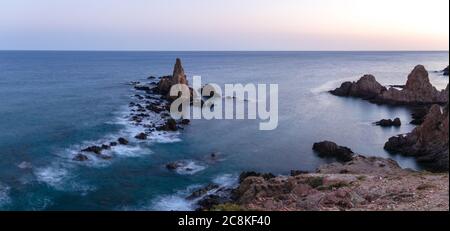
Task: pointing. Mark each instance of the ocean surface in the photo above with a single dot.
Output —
(52, 104)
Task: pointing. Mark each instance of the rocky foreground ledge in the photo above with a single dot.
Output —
(364, 183)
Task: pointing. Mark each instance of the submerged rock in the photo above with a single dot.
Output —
(428, 142)
(80, 157)
(330, 149)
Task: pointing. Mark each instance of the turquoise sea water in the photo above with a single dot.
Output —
(54, 103)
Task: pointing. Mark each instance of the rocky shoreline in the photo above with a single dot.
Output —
(149, 111)
(361, 183)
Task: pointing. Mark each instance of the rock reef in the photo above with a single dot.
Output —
(417, 91)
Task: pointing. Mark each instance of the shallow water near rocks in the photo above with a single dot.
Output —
(54, 103)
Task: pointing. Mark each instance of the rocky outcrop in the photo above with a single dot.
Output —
(178, 77)
(445, 71)
(369, 184)
(428, 142)
(389, 123)
(367, 88)
(330, 149)
(417, 91)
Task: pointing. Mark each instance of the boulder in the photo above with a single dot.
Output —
(95, 149)
(122, 141)
(330, 149)
(141, 136)
(445, 71)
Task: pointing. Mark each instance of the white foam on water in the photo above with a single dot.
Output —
(173, 203)
(59, 178)
(189, 167)
(226, 180)
(328, 86)
(4, 195)
(129, 151)
(178, 201)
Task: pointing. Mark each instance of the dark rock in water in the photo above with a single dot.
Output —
(141, 136)
(171, 125)
(298, 172)
(428, 142)
(112, 144)
(106, 147)
(245, 175)
(389, 123)
(151, 77)
(154, 108)
(174, 165)
(417, 91)
(445, 71)
(185, 122)
(122, 141)
(80, 157)
(330, 149)
(201, 192)
(142, 88)
(94, 149)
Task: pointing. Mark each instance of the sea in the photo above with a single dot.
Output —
(54, 103)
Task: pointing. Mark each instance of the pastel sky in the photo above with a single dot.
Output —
(224, 25)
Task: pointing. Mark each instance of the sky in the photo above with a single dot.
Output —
(224, 25)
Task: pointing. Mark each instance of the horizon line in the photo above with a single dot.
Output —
(136, 50)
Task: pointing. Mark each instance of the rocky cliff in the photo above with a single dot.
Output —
(428, 142)
(417, 91)
(178, 77)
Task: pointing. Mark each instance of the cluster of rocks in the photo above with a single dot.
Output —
(154, 103)
(98, 150)
(427, 142)
(389, 123)
(417, 91)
